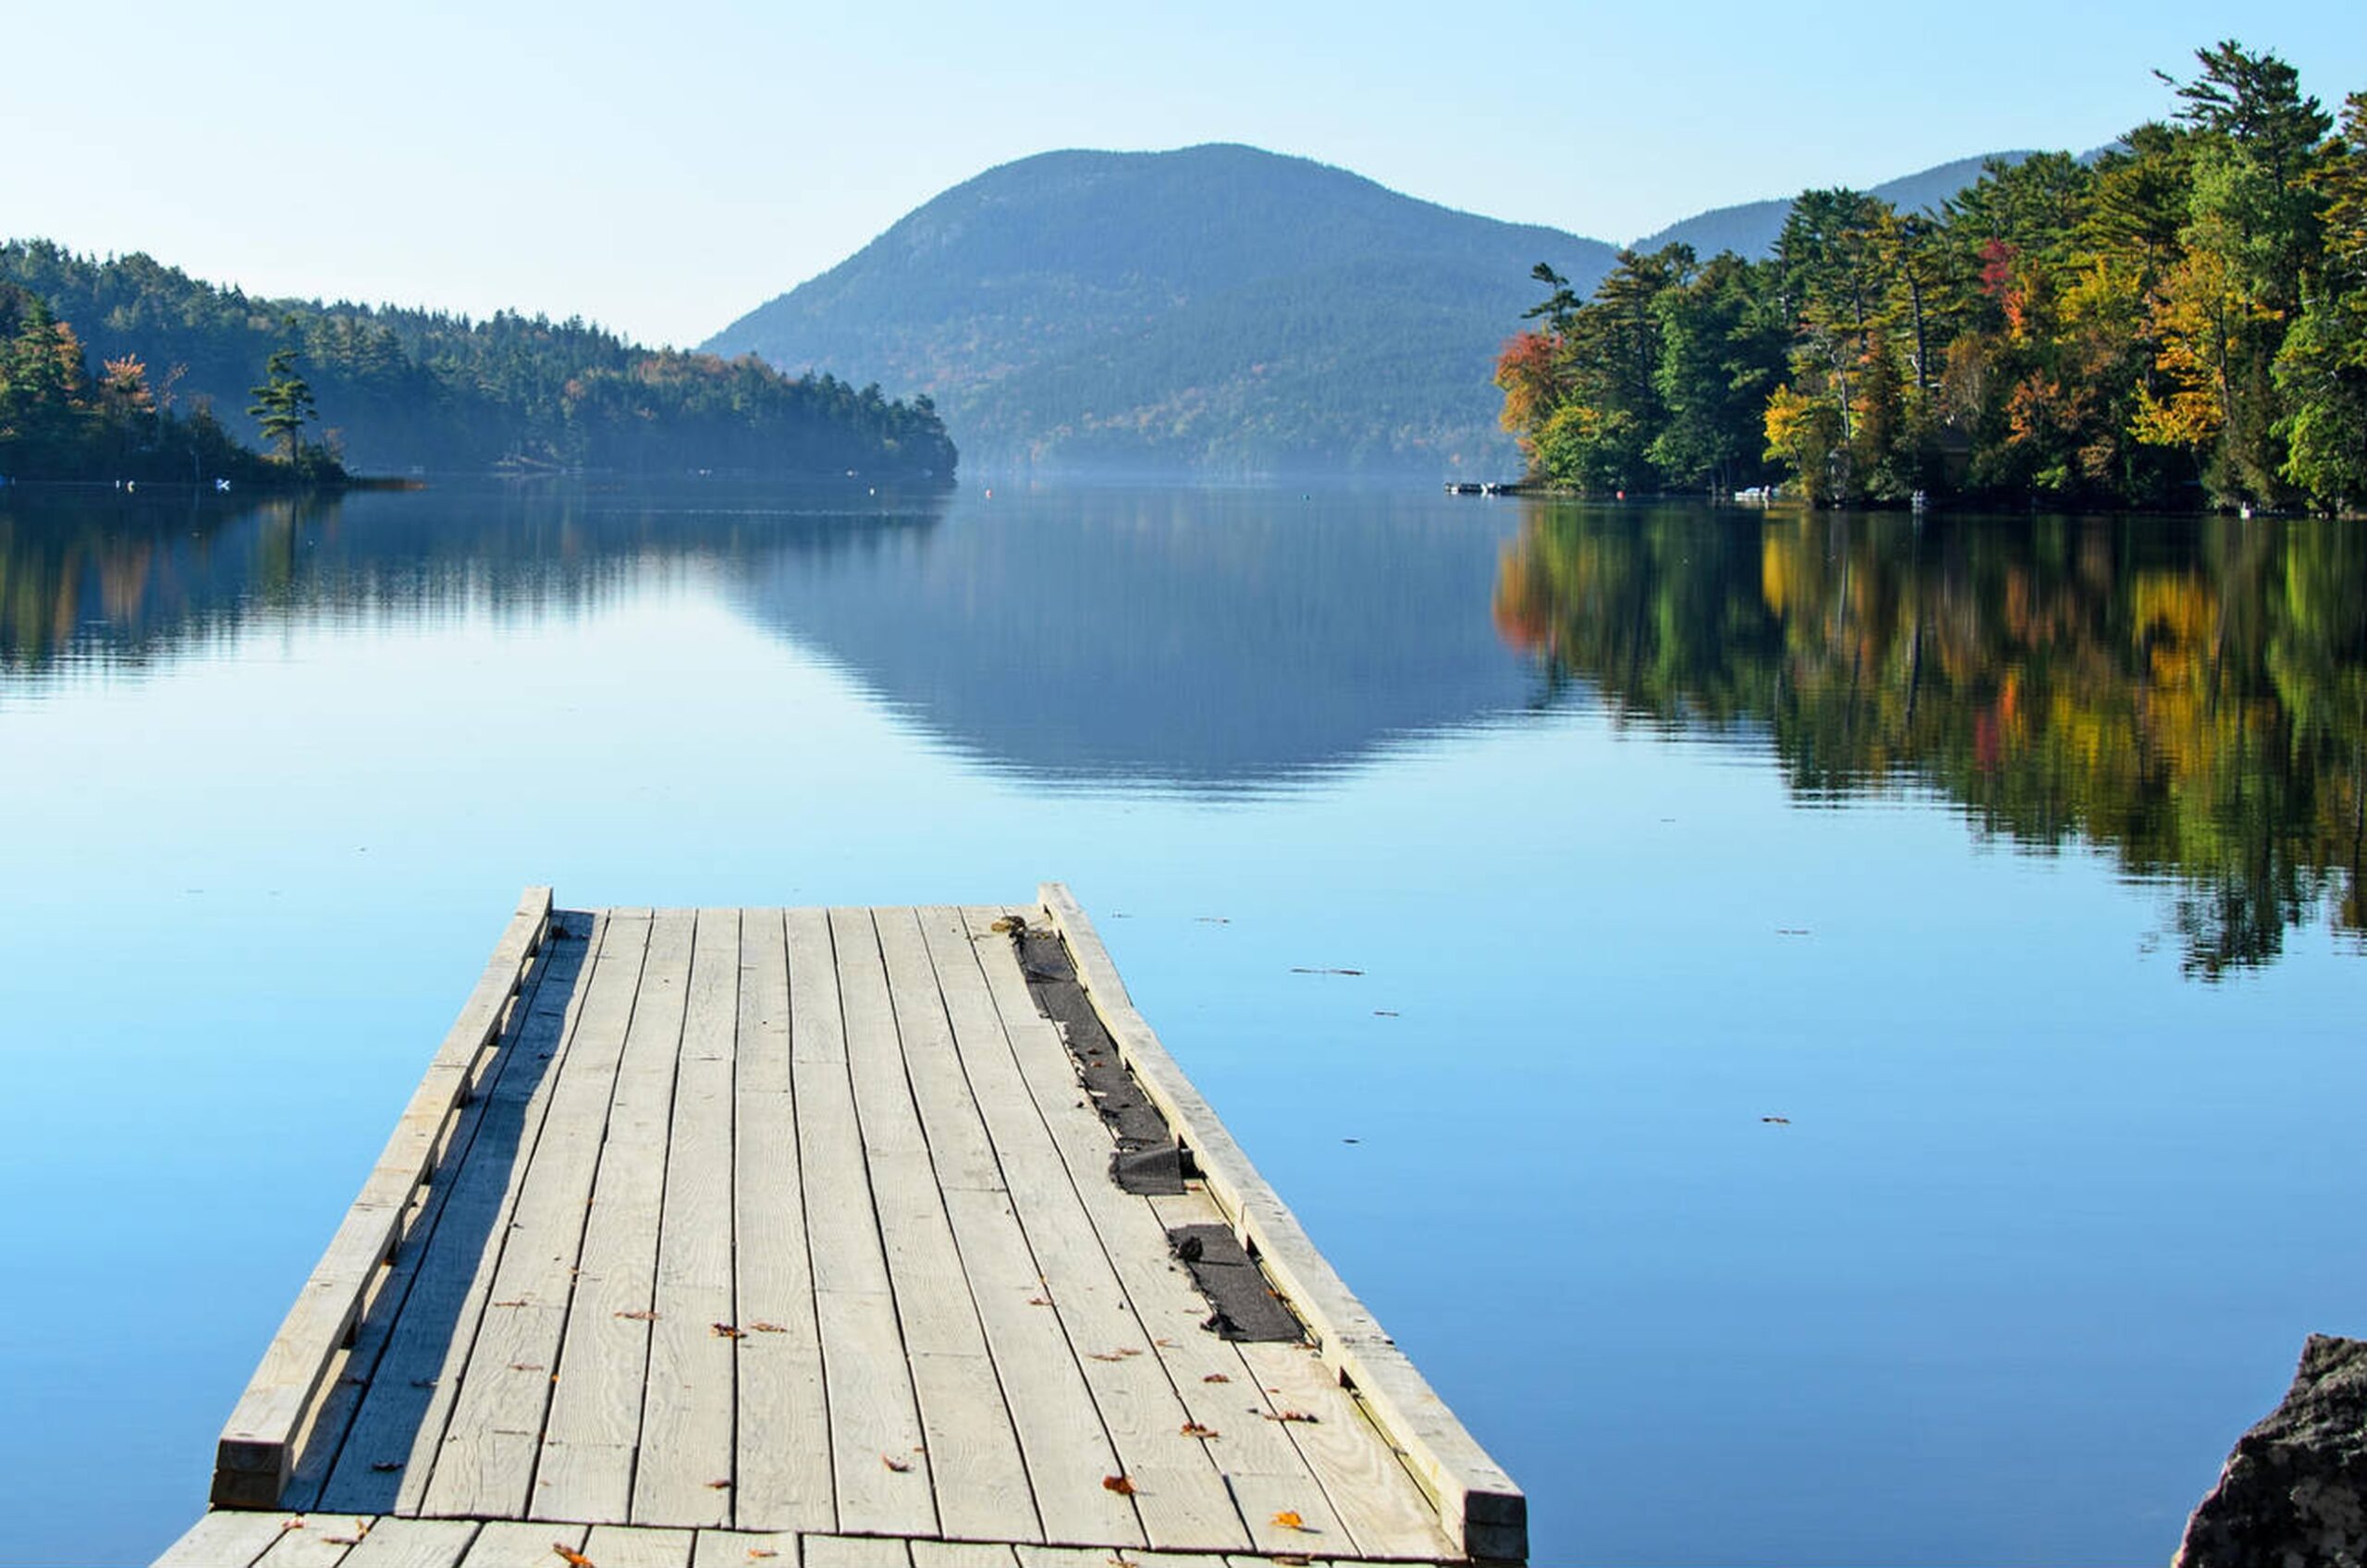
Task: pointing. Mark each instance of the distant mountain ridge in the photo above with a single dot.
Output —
(1216, 309)
(1750, 228)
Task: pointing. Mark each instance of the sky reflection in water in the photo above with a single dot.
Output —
(2058, 989)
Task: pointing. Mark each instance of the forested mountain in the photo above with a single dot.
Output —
(398, 389)
(1218, 309)
(1750, 229)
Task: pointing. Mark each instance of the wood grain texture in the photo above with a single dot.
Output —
(397, 1542)
(591, 1440)
(224, 1539)
(256, 1453)
(685, 1473)
(416, 1334)
(788, 1236)
(1481, 1509)
(782, 1412)
(493, 1415)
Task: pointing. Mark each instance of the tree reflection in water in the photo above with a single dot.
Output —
(2190, 694)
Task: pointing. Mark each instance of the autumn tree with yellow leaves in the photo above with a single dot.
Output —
(2179, 321)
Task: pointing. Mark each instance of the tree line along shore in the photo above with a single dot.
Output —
(126, 369)
(2177, 322)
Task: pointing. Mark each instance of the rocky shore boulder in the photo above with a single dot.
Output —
(2294, 1492)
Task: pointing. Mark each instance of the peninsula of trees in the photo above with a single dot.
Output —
(2179, 321)
(396, 391)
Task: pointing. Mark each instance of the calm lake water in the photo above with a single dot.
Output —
(1858, 1044)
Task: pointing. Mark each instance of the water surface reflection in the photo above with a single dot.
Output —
(2190, 694)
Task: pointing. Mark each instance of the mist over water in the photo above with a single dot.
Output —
(2015, 864)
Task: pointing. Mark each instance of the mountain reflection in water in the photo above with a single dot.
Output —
(2189, 694)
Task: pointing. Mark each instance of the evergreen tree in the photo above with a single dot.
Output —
(283, 402)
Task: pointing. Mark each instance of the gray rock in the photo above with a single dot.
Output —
(2294, 1492)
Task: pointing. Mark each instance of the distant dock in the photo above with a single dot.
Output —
(850, 1238)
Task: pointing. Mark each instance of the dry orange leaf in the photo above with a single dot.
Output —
(725, 1331)
(719, 1485)
(1289, 1520)
(759, 1552)
(1193, 1429)
(1216, 1378)
(763, 1328)
(1287, 1415)
(569, 1555)
(898, 1465)
(637, 1317)
(1123, 1485)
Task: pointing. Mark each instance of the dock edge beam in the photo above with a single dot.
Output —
(256, 1453)
(1483, 1513)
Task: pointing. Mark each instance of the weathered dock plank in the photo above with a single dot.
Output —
(792, 1236)
(1482, 1512)
(482, 1463)
(783, 1429)
(256, 1455)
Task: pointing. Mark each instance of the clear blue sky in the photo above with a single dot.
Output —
(664, 168)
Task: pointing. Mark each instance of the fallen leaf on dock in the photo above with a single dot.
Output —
(759, 1552)
(898, 1465)
(639, 1316)
(1216, 1378)
(719, 1485)
(1289, 1520)
(725, 1331)
(1288, 1415)
(569, 1555)
(763, 1328)
(1123, 1485)
(1193, 1429)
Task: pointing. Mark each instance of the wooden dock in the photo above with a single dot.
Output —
(736, 1236)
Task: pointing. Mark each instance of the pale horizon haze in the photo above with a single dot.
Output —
(665, 171)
